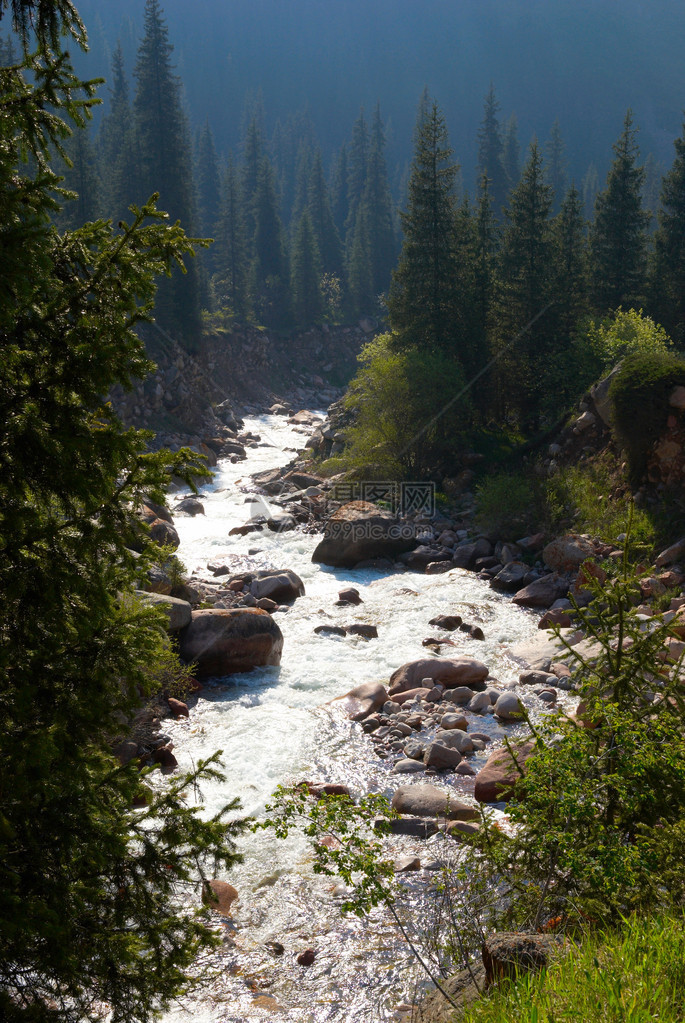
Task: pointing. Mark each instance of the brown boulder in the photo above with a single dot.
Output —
(282, 586)
(223, 642)
(507, 956)
(164, 534)
(363, 700)
(219, 896)
(496, 781)
(429, 801)
(542, 592)
(360, 531)
(568, 553)
(457, 671)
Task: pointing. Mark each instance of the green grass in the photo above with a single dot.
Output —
(631, 975)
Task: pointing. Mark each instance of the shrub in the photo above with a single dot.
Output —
(622, 334)
(639, 397)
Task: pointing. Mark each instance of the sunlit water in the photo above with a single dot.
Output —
(276, 725)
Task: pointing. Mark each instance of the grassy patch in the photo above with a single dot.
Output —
(631, 975)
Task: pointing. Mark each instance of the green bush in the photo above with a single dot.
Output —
(410, 412)
(508, 504)
(639, 398)
(622, 334)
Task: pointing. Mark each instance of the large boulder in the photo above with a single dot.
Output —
(496, 781)
(360, 531)
(363, 700)
(283, 585)
(567, 553)
(458, 671)
(542, 592)
(430, 801)
(179, 612)
(511, 577)
(223, 642)
(162, 532)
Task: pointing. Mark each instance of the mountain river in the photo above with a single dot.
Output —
(275, 725)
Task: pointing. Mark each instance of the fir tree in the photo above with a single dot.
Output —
(618, 234)
(590, 191)
(305, 275)
(511, 153)
(378, 206)
(339, 191)
(556, 166)
(302, 178)
(81, 177)
(118, 148)
(667, 285)
(253, 156)
(230, 280)
(651, 190)
(523, 332)
(323, 224)
(270, 277)
(358, 252)
(357, 166)
(491, 152)
(166, 167)
(208, 180)
(91, 892)
(423, 301)
(570, 289)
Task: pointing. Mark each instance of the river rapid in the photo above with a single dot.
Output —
(275, 726)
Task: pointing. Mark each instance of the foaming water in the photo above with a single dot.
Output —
(277, 725)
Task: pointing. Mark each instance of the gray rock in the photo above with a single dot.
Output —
(179, 612)
(408, 766)
(452, 720)
(509, 707)
(441, 757)
(479, 704)
(455, 739)
(461, 695)
(425, 800)
(363, 700)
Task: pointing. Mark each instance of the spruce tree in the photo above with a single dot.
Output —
(379, 213)
(305, 275)
(523, 332)
(667, 279)
(118, 148)
(357, 166)
(81, 176)
(270, 276)
(423, 300)
(339, 191)
(618, 234)
(491, 154)
(590, 191)
(511, 153)
(570, 289)
(253, 156)
(358, 266)
(323, 224)
(556, 166)
(166, 167)
(208, 180)
(92, 892)
(231, 258)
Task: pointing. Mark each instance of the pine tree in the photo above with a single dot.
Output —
(523, 332)
(231, 258)
(378, 206)
(651, 190)
(302, 179)
(618, 235)
(118, 148)
(556, 166)
(511, 153)
(485, 246)
(667, 284)
(305, 275)
(491, 152)
(423, 302)
(166, 167)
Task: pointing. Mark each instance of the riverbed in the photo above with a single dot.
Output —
(277, 726)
